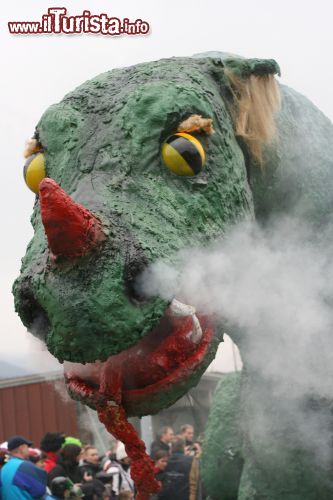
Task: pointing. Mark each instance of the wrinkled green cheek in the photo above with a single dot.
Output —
(90, 314)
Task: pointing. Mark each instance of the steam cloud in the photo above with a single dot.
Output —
(271, 289)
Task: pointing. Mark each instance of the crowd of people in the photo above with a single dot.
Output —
(64, 468)
(177, 464)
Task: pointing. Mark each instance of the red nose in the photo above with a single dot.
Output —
(71, 229)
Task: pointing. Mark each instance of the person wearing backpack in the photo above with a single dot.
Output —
(181, 479)
(120, 470)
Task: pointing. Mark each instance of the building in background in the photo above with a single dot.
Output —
(32, 405)
(34, 400)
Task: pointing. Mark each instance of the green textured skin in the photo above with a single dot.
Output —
(222, 459)
(103, 146)
(298, 180)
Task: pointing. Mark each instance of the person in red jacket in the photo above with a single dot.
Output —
(51, 445)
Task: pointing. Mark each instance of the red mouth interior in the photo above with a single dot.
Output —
(161, 357)
(165, 356)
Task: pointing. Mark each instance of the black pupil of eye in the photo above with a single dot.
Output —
(188, 151)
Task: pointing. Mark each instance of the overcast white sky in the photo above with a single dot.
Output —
(38, 71)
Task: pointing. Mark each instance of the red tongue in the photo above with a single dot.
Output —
(144, 367)
(114, 417)
(142, 466)
(170, 351)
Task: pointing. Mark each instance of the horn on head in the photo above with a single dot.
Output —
(71, 229)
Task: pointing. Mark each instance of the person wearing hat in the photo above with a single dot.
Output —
(20, 479)
(120, 469)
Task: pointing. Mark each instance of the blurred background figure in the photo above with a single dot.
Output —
(72, 440)
(61, 487)
(110, 455)
(160, 462)
(120, 469)
(41, 461)
(90, 461)
(92, 473)
(37, 457)
(67, 464)
(50, 445)
(163, 441)
(4, 454)
(34, 455)
(192, 446)
(181, 479)
(187, 434)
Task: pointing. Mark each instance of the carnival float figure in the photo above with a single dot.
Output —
(133, 166)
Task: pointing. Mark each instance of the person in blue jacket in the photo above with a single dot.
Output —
(20, 479)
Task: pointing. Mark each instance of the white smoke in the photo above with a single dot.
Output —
(271, 288)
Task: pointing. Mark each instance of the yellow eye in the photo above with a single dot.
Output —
(183, 154)
(34, 171)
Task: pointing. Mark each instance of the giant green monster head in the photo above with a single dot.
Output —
(102, 145)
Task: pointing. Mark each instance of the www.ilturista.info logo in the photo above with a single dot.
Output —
(57, 22)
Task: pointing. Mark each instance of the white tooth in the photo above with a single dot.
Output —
(179, 309)
(196, 334)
